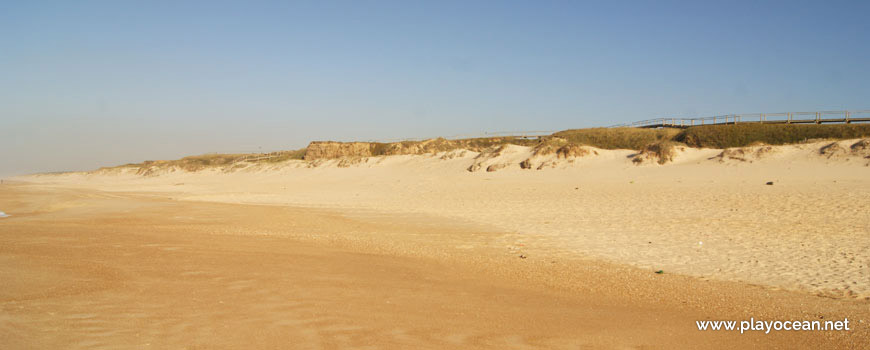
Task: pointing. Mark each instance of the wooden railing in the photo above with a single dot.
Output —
(821, 117)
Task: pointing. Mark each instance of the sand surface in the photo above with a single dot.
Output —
(701, 215)
(417, 251)
(83, 269)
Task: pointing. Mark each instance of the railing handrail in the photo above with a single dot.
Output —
(737, 118)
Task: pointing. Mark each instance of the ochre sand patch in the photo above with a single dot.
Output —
(88, 270)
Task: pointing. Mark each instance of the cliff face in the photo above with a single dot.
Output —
(331, 150)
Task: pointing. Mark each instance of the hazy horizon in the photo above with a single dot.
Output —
(93, 83)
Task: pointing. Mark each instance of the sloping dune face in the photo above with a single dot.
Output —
(705, 212)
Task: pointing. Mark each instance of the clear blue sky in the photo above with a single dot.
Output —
(86, 83)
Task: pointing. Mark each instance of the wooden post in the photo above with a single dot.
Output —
(789, 118)
(847, 118)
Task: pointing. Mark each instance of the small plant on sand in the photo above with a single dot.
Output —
(661, 152)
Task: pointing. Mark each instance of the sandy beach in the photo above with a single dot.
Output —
(91, 270)
(434, 175)
(700, 215)
(417, 251)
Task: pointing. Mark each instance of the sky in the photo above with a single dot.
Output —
(85, 84)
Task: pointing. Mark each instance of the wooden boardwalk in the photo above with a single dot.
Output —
(824, 117)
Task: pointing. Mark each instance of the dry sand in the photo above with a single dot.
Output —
(417, 251)
(701, 215)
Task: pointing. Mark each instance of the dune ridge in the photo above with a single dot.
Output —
(552, 153)
(708, 212)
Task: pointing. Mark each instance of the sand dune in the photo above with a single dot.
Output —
(707, 213)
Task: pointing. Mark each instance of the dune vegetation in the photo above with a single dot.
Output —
(442, 145)
(199, 162)
(740, 135)
(656, 144)
(617, 138)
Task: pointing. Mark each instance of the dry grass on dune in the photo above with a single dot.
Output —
(200, 162)
(606, 138)
(616, 138)
(549, 145)
(331, 150)
(660, 151)
(561, 147)
(860, 146)
(713, 136)
(751, 153)
(652, 144)
(443, 145)
(740, 135)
